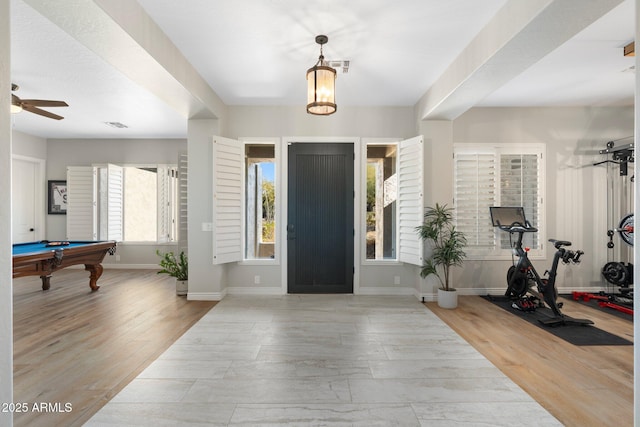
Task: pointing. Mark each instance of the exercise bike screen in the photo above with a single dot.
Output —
(507, 215)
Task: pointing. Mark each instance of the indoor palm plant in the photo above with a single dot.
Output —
(177, 267)
(447, 249)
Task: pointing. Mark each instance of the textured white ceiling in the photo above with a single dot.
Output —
(256, 52)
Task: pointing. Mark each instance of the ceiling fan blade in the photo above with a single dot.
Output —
(36, 110)
(44, 103)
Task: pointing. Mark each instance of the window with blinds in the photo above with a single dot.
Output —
(497, 175)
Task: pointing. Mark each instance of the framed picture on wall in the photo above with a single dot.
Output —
(57, 204)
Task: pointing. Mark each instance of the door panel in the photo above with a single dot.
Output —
(320, 228)
(23, 199)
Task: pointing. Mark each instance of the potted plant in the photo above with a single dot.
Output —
(447, 250)
(177, 267)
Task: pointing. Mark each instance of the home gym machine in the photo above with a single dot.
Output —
(522, 277)
(618, 270)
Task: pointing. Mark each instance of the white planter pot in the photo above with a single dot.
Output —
(182, 286)
(447, 299)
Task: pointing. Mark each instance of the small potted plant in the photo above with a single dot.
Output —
(177, 267)
(447, 250)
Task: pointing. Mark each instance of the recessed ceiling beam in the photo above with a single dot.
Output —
(123, 34)
(518, 36)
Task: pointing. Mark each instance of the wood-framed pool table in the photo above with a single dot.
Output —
(44, 257)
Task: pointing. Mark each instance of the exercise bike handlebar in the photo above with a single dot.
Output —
(518, 227)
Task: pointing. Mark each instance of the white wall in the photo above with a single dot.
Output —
(6, 269)
(393, 122)
(575, 190)
(29, 145)
(206, 280)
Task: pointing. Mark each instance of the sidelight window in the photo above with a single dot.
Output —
(260, 201)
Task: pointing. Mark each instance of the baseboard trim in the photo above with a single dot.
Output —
(386, 290)
(254, 290)
(205, 296)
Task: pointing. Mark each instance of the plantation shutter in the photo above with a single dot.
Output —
(474, 192)
(164, 204)
(227, 200)
(497, 175)
(410, 199)
(115, 203)
(81, 207)
(183, 218)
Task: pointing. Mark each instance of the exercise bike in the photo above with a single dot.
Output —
(522, 277)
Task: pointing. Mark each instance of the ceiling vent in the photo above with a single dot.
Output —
(116, 125)
(342, 66)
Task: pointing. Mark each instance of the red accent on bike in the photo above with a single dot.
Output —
(526, 249)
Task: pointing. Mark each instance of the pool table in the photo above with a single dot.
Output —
(44, 257)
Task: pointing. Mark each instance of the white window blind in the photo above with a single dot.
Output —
(227, 200)
(410, 199)
(497, 175)
(81, 194)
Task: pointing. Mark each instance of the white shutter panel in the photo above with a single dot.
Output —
(115, 202)
(227, 200)
(164, 197)
(410, 199)
(81, 213)
(474, 192)
(183, 174)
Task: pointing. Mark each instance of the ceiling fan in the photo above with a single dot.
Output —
(31, 105)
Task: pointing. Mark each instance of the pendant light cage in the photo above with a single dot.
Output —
(321, 85)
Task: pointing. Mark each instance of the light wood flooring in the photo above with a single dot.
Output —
(579, 385)
(74, 346)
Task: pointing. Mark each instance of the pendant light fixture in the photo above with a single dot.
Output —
(321, 85)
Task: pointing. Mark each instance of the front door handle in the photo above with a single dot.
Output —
(291, 232)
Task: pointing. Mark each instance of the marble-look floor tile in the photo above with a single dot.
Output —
(300, 369)
(489, 414)
(211, 352)
(314, 352)
(154, 390)
(324, 415)
(277, 390)
(176, 369)
(434, 368)
(162, 415)
(333, 360)
(436, 390)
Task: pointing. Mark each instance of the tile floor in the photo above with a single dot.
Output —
(329, 360)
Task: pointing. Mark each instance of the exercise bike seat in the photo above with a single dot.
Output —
(560, 243)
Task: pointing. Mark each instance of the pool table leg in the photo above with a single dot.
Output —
(46, 284)
(96, 272)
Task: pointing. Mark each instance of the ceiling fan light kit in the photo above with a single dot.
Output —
(321, 85)
(31, 105)
(16, 107)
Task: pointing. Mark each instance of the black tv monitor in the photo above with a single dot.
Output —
(507, 215)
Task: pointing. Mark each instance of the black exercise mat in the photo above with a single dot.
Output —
(574, 334)
(594, 304)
